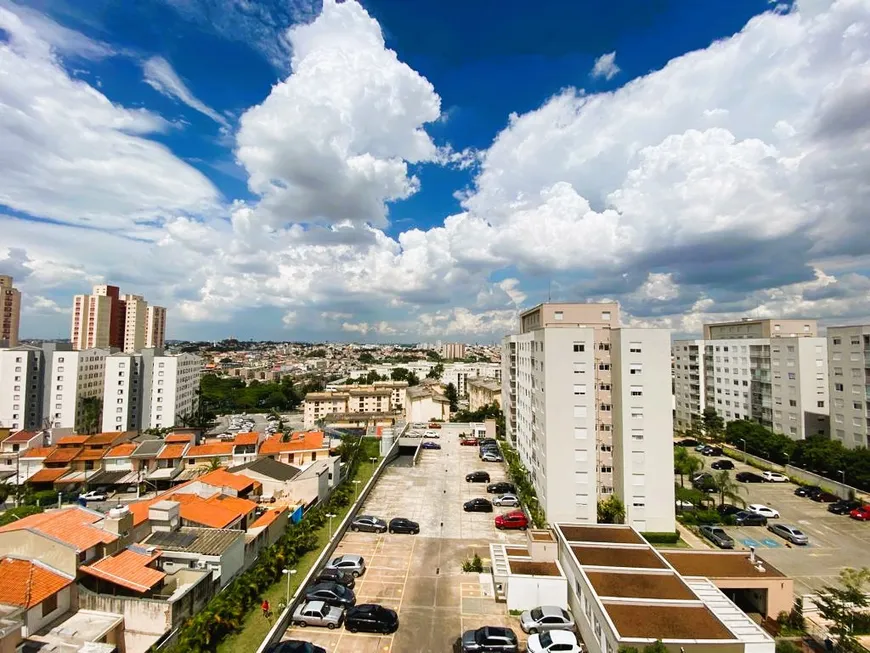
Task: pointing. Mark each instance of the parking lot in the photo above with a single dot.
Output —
(836, 541)
(421, 576)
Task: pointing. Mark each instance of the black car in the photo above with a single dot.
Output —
(746, 518)
(403, 525)
(687, 442)
(712, 451)
(331, 594)
(705, 483)
(805, 490)
(501, 488)
(295, 646)
(484, 441)
(844, 506)
(477, 477)
(490, 638)
(722, 464)
(477, 505)
(336, 576)
(726, 509)
(371, 618)
(824, 497)
(748, 477)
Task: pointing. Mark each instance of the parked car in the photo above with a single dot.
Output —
(712, 451)
(336, 576)
(404, 525)
(746, 518)
(506, 500)
(491, 457)
(491, 448)
(681, 505)
(350, 562)
(431, 434)
(501, 488)
(468, 442)
(490, 638)
(331, 593)
(748, 477)
(295, 646)
(705, 483)
(687, 442)
(718, 536)
(813, 491)
(430, 445)
(774, 477)
(94, 495)
(804, 490)
(861, 514)
(844, 506)
(368, 524)
(722, 464)
(546, 618)
(516, 519)
(824, 497)
(764, 511)
(701, 446)
(477, 477)
(371, 618)
(318, 613)
(434, 425)
(483, 441)
(555, 640)
(477, 505)
(791, 533)
(726, 509)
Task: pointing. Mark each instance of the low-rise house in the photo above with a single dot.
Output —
(311, 485)
(426, 403)
(41, 592)
(265, 531)
(15, 444)
(169, 463)
(275, 477)
(236, 485)
(217, 511)
(84, 630)
(31, 463)
(297, 449)
(245, 447)
(144, 458)
(201, 456)
(120, 469)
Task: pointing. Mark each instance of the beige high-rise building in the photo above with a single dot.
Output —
(155, 327)
(453, 351)
(10, 312)
(135, 310)
(849, 377)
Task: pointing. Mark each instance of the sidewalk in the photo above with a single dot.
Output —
(691, 539)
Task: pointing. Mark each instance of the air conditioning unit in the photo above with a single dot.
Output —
(201, 564)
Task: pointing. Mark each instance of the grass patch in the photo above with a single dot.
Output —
(679, 544)
(255, 626)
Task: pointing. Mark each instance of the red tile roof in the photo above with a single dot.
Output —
(129, 569)
(105, 438)
(140, 508)
(74, 526)
(37, 452)
(267, 517)
(63, 455)
(222, 478)
(247, 438)
(21, 436)
(122, 450)
(178, 437)
(172, 451)
(25, 583)
(49, 475)
(299, 441)
(218, 511)
(92, 454)
(74, 439)
(208, 450)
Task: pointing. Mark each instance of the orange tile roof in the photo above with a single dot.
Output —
(267, 517)
(215, 449)
(105, 438)
(74, 439)
(73, 526)
(171, 451)
(307, 441)
(178, 437)
(37, 452)
(247, 438)
(63, 455)
(21, 436)
(140, 508)
(25, 583)
(218, 511)
(92, 454)
(49, 475)
(222, 478)
(129, 569)
(122, 450)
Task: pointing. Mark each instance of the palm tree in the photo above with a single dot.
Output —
(727, 488)
(685, 464)
(213, 464)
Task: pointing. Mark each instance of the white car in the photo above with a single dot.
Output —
(764, 511)
(774, 477)
(93, 495)
(554, 640)
(506, 500)
(491, 457)
(431, 434)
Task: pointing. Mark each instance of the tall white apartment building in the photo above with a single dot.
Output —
(155, 327)
(25, 377)
(773, 372)
(75, 375)
(122, 392)
(459, 373)
(10, 312)
(174, 385)
(849, 377)
(135, 310)
(689, 388)
(589, 408)
(106, 319)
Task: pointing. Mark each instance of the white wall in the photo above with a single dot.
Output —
(36, 620)
(75, 375)
(527, 592)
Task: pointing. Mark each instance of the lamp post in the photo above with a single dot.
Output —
(842, 473)
(744, 448)
(356, 490)
(373, 460)
(288, 573)
(329, 516)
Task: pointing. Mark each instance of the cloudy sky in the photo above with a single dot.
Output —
(307, 169)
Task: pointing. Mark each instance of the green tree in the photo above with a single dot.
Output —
(842, 606)
(685, 464)
(213, 465)
(89, 413)
(611, 511)
(452, 396)
(433, 355)
(714, 425)
(786, 646)
(727, 488)
(436, 372)
(373, 376)
(656, 647)
(366, 358)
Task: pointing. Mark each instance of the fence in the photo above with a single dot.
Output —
(283, 621)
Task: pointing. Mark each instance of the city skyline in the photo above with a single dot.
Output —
(357, 177)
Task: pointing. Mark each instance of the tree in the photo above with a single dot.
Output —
(366, 358)
(213, 464)
(685, 464)
(714, 425)
(436, 372)
(433, 355)
(611, 511)
(451, 395)
(727, 488)
(841, 606)
(373, 376)
(90, 411)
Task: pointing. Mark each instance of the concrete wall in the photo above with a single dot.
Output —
(25, 544)
(146, 616)
(780, 591)
(36, 620)
(527, 592)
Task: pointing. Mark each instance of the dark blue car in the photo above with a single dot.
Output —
(431, 445)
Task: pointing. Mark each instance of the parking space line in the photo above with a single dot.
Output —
(407, 575)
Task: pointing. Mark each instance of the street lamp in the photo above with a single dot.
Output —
(744, 448)
(842, 475)
(288, 573)
(356, 490)
(373, 460)
(329, 516)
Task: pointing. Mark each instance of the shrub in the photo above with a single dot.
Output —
(700, 517)
(474, 564)
(14, 514)
(785, 646)
(662, 538)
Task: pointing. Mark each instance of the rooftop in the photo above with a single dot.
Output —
(26, 583)
(21, 436)
(601, 556)
(128, 569)
(222, 478)
(246, 438)
(268, 467)
(615, 534)
(102, 439)
(719, 564)
(73, 439)
(204, 541)
(172, 451)
(75, 526)
(299, 441)
(48, 475)
(81, 627)
(176, 438)
(639, 585)
(37, 452)
(147, 449)
(210, 450)
(666, 621)
(122, 450)
(218, 511)
(63, 455)
(528, 568)
(92, 454)
(267, 518)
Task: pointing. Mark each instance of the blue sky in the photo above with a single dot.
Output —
(359, 171)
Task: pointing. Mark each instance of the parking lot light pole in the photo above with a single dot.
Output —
(329, 516)
(842, 475)
(744, 449)
(356, 483)
(373, 460)
(288, 573)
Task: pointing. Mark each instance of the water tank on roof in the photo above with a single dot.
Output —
(118, 512)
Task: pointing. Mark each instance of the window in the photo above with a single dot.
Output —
(558, 315)
(637, 435)
(606, 448)
(581, 455)
(634, 347)
(579, 346)
(820, 404)
(49, 605)
(605, 316)
(580, 411)
(581, 499)
(603, 367)
(579, 389)
(637, 413)
(606, 469)
(791, 376)
(638, 504)
(604, 387)
(838, 387)
(837, 341)
(580, 432)
(604, 408)
(635, 368)
(792, 402)
(637, 391)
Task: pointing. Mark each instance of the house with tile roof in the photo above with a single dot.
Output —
(238, 485)
(201, 456)
(169, 463)
(216, 511)
(220, 551)
(275, 477)
(40, 592)
(245, 447)
(15, 444)
(298, 449)
(31, 461)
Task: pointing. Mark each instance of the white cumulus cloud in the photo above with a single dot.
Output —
(605, 66)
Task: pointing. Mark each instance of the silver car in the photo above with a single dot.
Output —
(368, 524)
(318, 613)
(506, 500)
(349, 562)
(545, 619)
(791, 533)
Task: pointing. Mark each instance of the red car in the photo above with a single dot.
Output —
(861, 514)
(468, 442)
(434, 425)
(515, 519)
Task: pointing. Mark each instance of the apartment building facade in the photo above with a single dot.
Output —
(25, 374)
(849, 383)
(155, 327)
(379, 398)
(106, 319)
(578, 410)
(75, 375)
(174, 385)
(10, 312)
(773, 372)
(135, 309)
